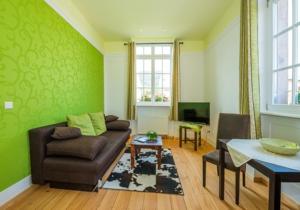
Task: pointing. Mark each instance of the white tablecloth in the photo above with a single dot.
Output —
(241, 151)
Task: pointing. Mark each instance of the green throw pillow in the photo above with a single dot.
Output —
(83, 122)
(98, 121)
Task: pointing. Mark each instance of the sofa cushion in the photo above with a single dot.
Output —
(98, 122)
(83, 122)
(118, 125)
(66, 133)
(110, 118)
(86, 147)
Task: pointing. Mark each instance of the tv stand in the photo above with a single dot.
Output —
(197, 134)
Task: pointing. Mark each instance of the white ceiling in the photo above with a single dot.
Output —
(119, 20)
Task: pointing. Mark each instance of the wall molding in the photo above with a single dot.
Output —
(75, 26)
(14, 190)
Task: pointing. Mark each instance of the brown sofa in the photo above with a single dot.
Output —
(73, 172)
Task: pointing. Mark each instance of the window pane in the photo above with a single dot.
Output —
(139, 94)
(158, 81)
(147, 66)
(158, 66)
(167, 66)
(139, 80)
(283, 84)
(139, 50)
(147, 95)
(166, 80)
(284, 50)
(158, 50)
(284, 14)
(158, 96)
(297, 86)
(298, 43)
(147, 50)
(147, 80)
(139, 66)
(166, 95)
(166, 50)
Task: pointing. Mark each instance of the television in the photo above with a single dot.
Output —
(195, 112)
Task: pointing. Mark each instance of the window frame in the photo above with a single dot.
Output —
(269, 55)
(153, 57)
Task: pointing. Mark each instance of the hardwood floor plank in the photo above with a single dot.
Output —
(136, 201)
(150, 201)
(163, 202)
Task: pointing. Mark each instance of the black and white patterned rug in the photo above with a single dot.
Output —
(145, 177)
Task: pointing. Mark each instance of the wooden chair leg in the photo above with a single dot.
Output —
(204, 172)
(218, 170)
(244, 178)
(237, 187)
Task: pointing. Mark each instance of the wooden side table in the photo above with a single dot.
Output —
(136, 146)
(197, 136)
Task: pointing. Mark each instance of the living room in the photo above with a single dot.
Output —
(149, 105)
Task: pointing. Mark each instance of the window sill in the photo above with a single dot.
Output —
(281, 114)
(153, 104)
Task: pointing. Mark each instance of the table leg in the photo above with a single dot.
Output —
(199, 137)
(195, 140)
(274, 192)
(180, 136)
(132, 155)
(185, 135)
(159, 157)
(222, 173)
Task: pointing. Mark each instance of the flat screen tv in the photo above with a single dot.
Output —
(195, 112)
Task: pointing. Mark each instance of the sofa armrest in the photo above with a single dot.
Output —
(38, 140)
(118, 125)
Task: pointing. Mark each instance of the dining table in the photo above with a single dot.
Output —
(267, 163)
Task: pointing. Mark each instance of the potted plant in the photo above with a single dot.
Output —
(152, 135)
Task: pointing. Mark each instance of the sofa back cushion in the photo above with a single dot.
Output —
(83, 122)
(66, 133)
(98, 122)
(86, 147)
(118, 125)
(110, 118)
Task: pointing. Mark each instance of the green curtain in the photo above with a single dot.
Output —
(249, 67)
(131, 98)
(175, 81)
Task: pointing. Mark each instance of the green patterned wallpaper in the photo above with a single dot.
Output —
(48, 70)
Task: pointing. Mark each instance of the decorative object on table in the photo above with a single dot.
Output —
(280, 146)
(152, 135)
(145, 177)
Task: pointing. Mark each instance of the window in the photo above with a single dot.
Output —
(286, 52)
(153, 73)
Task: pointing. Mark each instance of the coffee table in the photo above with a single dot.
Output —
(136, 147)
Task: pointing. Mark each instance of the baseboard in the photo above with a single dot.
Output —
(14, 190)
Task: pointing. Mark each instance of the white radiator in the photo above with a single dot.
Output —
(151, 118)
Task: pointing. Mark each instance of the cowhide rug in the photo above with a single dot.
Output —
(145, 177)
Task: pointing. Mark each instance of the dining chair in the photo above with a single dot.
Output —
(230, 126)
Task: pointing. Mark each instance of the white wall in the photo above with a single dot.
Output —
(222, 75)
(116, 74)
(115, 77)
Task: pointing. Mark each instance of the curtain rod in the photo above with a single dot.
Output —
(126, 43)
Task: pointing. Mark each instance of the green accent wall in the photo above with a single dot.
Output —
(48, 70)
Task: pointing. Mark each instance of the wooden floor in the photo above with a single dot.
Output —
(195, 196)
